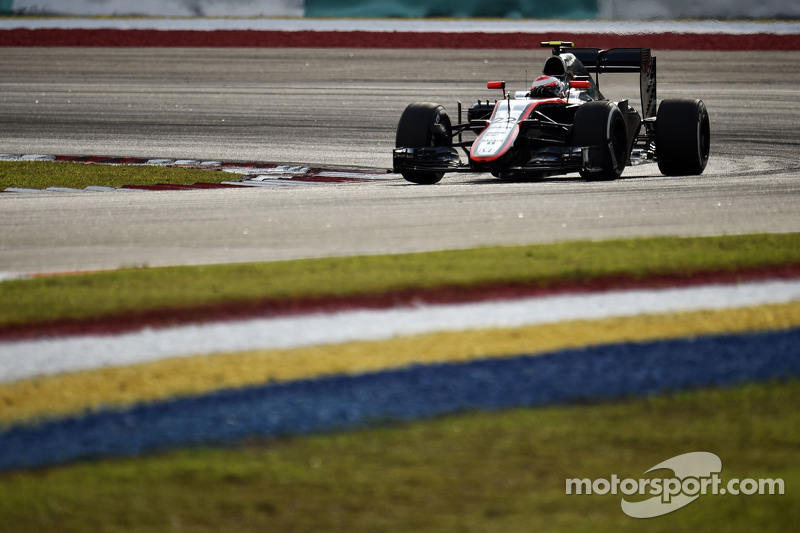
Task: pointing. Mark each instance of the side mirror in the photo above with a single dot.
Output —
(496, 85)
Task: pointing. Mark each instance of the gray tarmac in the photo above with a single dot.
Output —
(339, 107)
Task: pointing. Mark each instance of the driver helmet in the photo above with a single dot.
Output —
(547, 87)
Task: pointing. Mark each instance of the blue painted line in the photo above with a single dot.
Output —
(416, 392)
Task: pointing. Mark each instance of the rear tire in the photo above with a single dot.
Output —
(601, 124)
(423, 125)
(683, 137)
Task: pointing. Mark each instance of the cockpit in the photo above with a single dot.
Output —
(564, 76)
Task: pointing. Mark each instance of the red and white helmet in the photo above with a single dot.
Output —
(547, 87)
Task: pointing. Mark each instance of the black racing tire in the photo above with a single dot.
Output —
(601, 123)
(422, 125)
(683, 137)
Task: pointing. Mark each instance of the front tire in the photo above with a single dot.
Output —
(601, 123)
(423, 125)
(683, 137)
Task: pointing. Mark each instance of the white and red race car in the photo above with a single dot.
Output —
(561, 124)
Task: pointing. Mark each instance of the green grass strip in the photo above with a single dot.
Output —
(127, 290)
(482, 472)
(43, 174)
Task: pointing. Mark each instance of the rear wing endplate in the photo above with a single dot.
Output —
(624, 60)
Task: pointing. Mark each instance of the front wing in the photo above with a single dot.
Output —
(553, 159)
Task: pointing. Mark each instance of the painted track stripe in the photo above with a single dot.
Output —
(408, 296)
(27, 358)
(372, 39)
(423, 391)
(394, 25)
(72, 393)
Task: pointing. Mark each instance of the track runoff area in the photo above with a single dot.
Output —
(317, 371)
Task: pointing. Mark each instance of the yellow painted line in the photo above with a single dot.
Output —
(52, 396)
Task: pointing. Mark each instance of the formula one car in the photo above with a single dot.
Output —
(562, 124)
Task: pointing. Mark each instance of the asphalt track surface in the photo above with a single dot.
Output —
(339, 107)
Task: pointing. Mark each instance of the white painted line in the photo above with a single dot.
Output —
(22, 359)
(23, 190)
(290, 170)
(37, 157)
(64, 189)
(364, 175)
(269, 181)
(243, 170)
(8, 276)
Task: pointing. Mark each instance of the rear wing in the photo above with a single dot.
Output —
(624, 60)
